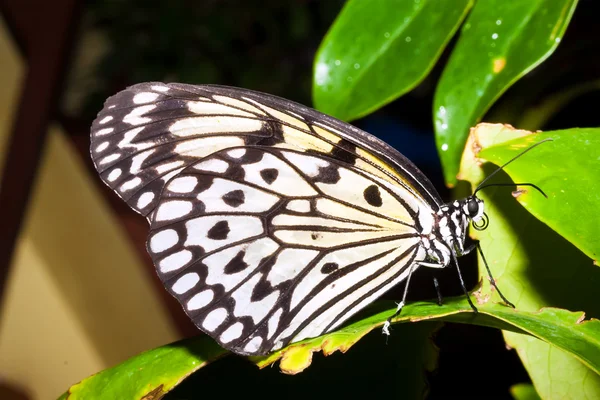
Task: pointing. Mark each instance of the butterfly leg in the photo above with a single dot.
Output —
(437, 290)
(462, 283)
(492, 280)
(388, 322)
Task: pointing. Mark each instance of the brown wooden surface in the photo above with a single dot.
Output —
(43, 32)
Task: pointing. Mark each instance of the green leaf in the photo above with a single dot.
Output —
(524, 391)
(298, 356)
(562, 328)
(568, 171)
(151, 374)
(536, 267)
(555, 374)
(378, 50)
(157, 371)
(499, 43)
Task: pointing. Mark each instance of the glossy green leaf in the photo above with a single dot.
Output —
(524, 391)
(149, 375)
(568, 170)
(157, 371)
(536, 267)
(298, 356)
(562, 328)
(499, 43)
(378, 50)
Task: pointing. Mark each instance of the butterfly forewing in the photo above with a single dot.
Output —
(270, 222)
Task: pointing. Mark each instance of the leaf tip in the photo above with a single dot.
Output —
(154, 394)
(296, 359)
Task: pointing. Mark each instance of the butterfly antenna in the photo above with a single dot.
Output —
(514, 184)
(481, 186)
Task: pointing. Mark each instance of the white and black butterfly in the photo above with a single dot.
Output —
(269, 221)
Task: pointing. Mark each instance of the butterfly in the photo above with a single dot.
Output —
(271, 222)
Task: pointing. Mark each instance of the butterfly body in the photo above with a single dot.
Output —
(269, 221)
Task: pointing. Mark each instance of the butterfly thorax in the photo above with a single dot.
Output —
(451, 226)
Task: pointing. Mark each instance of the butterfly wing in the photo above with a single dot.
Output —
(270, 222)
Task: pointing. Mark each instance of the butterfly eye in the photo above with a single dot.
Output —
(473, 207)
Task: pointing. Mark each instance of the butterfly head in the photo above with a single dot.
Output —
(473, 208)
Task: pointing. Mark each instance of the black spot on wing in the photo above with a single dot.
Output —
(329, 174)
(269, 175)
(235, 172)
(262, 289)
(237, 264)
(344, 151)
(235, 198)
(329, 267)
(372, 196)
(219, 231)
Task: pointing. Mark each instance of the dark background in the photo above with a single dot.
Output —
(81, 52)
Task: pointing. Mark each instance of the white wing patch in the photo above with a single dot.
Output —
(163, 240)
(185, 283)
(175, 261)
(200, 300)
(234, 331)
(135, 117)
(210, 125)
(214, 319)
(290, 262)
(302, 206)
(212, 165)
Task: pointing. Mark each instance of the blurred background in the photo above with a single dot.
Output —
(78, 292)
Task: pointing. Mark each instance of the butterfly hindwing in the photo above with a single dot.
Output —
(257, 247)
